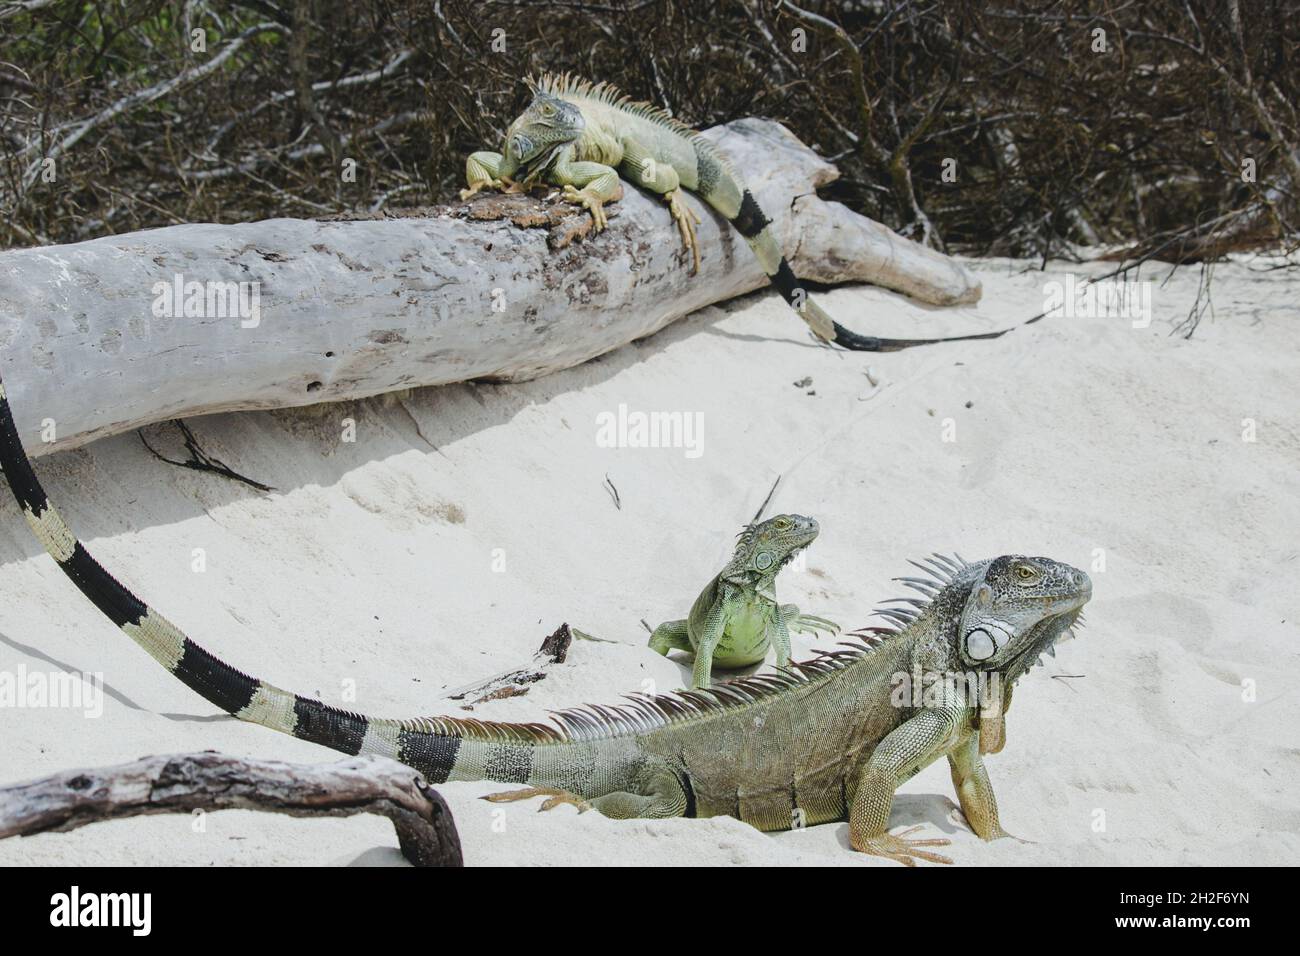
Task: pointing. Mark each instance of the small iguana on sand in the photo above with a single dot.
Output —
(828, 738)
(584, 137)
(736, 617)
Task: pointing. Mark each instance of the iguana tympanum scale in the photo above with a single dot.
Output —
(585, 137)
(816, 742)
(737, 618)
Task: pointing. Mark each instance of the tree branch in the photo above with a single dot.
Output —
(180, 783)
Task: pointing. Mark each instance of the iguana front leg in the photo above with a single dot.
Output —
(905, 750)
(587, 184)
(676, 636)
(488, 170)
(992, 720)
(971, 781)
(671, 636)
(780, 640)
(642, 169)
(706, 635)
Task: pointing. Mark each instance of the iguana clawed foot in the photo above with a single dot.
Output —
(554, 798)
(958, 817)
(811, 624)
(476, 188)
(589, 201)
(686, 223)
(898, 847)
(505, 185)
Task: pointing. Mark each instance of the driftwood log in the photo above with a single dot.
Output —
(103, 336)
(426, 832)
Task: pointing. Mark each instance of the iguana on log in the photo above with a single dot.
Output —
(584, 136)
(736, 617)
(826, 738)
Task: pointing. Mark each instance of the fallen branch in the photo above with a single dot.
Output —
(766, 501)
(200, 460)
(514, 682)
(426, 832)
(613, 494)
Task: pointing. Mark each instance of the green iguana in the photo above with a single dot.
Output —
(824, 739)
(736, 618)
(584, 137)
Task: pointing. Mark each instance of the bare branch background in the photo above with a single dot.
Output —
(1123, 124)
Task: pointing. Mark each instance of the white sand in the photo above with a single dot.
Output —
(373, 563)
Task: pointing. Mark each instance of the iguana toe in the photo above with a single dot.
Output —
(811, 624)
(898, 847)
(476, 188)
(554, 797)
(686, 220)
(591, 202)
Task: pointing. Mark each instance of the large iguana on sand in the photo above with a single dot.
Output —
(736, 618)
(584, 137)
(827, 738)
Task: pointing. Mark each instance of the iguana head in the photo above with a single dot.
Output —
(541, 131)
(767, 547)
(1017, 609)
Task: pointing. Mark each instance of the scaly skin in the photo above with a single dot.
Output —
(585, 137)
(821, 740)
(736, 618)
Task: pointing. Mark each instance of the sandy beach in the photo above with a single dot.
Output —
(465, 523)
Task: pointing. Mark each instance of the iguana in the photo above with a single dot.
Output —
(584, 137)
(736, 618)
(822, 739)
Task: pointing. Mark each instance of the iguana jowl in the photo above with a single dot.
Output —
(737, 618)
(813, 743)
(584, 137)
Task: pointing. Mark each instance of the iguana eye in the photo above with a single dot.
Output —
(548, 109)
(782, 524)
(1025, 574)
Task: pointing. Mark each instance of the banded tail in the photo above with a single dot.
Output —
(580, 750)
(721, 187)
(430, 745)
